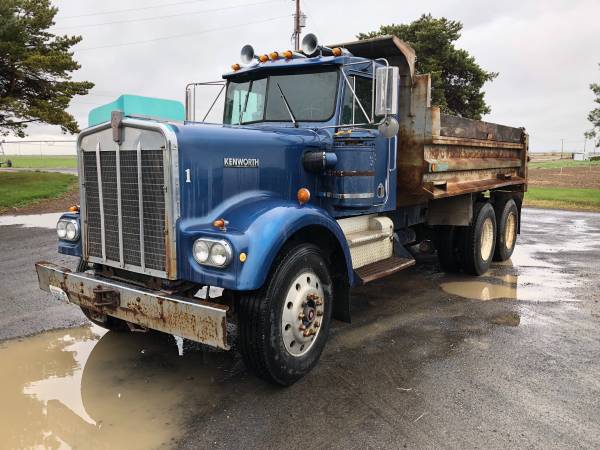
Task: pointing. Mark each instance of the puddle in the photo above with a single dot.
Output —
(32, 221)
(87, 388)
(480, 290)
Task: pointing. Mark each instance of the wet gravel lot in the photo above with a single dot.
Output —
(511, 359)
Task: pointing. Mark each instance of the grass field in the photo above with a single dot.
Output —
(562, 163)
(563, 198)
(19, 189)
(42, 162)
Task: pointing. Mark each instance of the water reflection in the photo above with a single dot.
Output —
(83, 388)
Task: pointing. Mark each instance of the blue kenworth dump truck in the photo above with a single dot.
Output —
(328, 164)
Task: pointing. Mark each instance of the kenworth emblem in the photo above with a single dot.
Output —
(241, 162)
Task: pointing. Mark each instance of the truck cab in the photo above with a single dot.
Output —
(327, 165)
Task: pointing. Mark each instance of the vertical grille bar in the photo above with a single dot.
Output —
(141, 204)
(101, 200)
(119, 205)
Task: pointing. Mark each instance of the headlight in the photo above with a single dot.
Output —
(220, 254)
(201, 251)
(67, 229)
(210, 252)
(61, 229)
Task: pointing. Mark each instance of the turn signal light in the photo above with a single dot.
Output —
(337, 51)
(303, 196)
(288, 54)
(235, 67)
(274, 56)
(263, 58)
(74, 208)
(221, 224)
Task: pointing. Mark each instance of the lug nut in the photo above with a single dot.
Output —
(301, 316)
(317, 325)
(319, 302)
(319, 313)
(302, 327)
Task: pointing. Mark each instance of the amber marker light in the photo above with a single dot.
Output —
(337, 51)
(235, 67)
(243, 257)
(288, 54)
(303, 196)
(274, 56)
(221, 224)
(263, 58)
(74, 208)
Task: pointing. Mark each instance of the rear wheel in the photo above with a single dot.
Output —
(480, 240)
(284, 326)
(507, 217)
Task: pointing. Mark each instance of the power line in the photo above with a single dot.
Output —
(146, 19)
(116, 11)
(176, 36)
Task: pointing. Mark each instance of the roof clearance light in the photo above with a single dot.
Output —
(303, 196)
(263, 58)
(288, 54)
(337, 51)
(235, 67)
(274, 56)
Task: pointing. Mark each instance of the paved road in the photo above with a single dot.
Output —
(511, 359)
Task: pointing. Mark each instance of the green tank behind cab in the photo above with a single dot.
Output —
(136, 105)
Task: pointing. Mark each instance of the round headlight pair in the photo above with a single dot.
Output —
(212, 253)
(67, 229)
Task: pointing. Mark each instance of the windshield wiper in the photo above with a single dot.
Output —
(287, 105)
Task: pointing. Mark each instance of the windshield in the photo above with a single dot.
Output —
(311, 97)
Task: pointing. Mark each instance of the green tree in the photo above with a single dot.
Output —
(35, 68)
(456, 79)
(594, 116)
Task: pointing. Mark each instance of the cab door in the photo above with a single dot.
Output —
(359, 181)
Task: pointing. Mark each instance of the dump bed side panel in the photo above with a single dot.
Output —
(440, 155)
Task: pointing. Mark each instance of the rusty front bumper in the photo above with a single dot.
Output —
(196, 320)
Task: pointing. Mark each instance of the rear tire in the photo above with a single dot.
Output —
(507, 216)
(284, 326)
(480, 240)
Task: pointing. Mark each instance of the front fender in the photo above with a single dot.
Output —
(260, 223)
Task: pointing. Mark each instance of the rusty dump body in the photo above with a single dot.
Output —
(440, 155)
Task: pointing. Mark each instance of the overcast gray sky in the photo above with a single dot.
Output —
(547, 53)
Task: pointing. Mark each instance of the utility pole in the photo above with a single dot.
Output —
(297, 26)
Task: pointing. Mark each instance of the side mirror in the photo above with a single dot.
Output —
(386, 90)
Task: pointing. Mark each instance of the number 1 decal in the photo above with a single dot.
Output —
(188, 176)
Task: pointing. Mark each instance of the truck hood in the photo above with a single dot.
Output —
(218, 162)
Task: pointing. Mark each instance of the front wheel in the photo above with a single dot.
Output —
(284, 326)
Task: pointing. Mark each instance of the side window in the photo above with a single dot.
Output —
(351, 111)
(247, 98)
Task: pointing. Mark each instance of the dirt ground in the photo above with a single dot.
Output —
(568, 177)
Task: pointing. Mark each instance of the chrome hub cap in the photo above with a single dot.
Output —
(487, 239)
(302, 313)
(510, 230)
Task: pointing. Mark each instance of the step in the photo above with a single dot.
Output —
(383, 268)
(365, 237)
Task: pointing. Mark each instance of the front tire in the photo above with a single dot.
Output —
(284, 326)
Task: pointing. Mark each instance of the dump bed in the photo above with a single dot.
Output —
(439, 155)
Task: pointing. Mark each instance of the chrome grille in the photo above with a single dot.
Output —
(130, 239)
